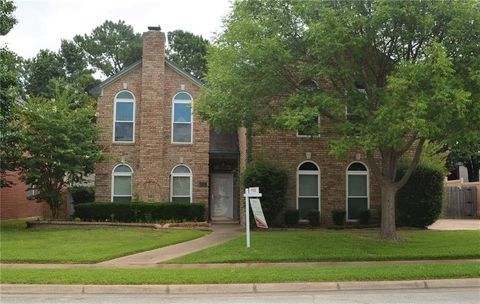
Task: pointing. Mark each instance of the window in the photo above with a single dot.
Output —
(124, 116)
(308, 188)
(181, 185)
(122, 184)
(357, 190)
(182, 118)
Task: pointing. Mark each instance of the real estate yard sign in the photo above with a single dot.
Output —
(251, 198)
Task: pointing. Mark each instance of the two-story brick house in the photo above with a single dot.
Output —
(158, 150)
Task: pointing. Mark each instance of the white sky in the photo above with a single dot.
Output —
(43, 23)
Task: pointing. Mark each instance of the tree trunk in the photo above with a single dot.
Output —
(54, 208)
(388, 228)
(472, 168)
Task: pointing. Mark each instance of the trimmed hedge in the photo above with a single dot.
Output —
(338, 216)
(140, 212)
(272, 180)
(292, 216)
(313, 217)
(364, 217)
(82, 194)
(419, 202)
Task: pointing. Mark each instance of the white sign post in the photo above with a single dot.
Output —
(252, 192)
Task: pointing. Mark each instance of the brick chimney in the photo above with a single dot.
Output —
(152, 114)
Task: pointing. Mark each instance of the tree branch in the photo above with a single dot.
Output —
(413, 165)
(409, 143)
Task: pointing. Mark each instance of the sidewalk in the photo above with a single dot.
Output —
(237, 288)
(106, 265)
(221, 233)
(455, 224)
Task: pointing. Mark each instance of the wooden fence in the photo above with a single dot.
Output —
(462, 200)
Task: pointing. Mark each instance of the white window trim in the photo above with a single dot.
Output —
(309, 172)
(173, 118)
(172, 175)
(310, 136)
(115, 117)
(366, 173)
(121, 174)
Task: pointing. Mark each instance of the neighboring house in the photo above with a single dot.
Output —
(159, 151)
(17, 201)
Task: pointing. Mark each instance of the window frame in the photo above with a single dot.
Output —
(114, 174)
(115, 117)
(347, 196)
(173, 118)
(309, 172)
(173, 175)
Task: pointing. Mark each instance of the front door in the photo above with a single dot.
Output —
(222, 196)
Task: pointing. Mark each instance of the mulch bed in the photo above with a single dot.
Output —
(76, 224)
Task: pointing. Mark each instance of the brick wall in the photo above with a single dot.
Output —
(152, 155)
(289, 151)
(14, 203)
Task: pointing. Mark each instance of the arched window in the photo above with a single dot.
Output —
(357, 190)
(311, 126)
(122, 183)
(181, 185)
(182, 118)
(308, 188)
(124, 116)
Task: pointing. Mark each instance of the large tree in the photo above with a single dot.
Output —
(111, 46)
(388, 64)
(58, 141)
(9, 94)
(188, 51)
(40, 73)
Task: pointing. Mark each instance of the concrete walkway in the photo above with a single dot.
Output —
(452, 224)
(105, 265)
(221, 233)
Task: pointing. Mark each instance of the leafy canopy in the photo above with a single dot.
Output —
(58, 141)
(111, 46)
(188, 51)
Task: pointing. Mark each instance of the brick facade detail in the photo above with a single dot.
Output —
(152, 155)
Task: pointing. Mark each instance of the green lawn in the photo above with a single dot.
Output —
(343, 245)
(241, 275)
(85, 245)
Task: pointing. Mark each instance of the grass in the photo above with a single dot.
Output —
(241, 275)
(83, 245)
(296, 246)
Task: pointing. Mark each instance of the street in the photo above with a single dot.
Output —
(427, 296)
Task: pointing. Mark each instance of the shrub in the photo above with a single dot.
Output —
(364, 217)
(419, 202)
(292, 217)
(140, 212)
(314, 218)
(272, 181)
(338, 216)
(82, 195)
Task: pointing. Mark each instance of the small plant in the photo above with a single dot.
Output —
(364, 217)
(338, 216)
(292, 217)
(314, 218)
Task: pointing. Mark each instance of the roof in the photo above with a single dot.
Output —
(96, 91)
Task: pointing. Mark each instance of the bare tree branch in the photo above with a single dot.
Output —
(413, 165)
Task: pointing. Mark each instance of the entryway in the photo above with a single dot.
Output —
(222, 196)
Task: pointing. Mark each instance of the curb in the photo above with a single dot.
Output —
(236, 288)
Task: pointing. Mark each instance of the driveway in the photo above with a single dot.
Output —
(453, 224)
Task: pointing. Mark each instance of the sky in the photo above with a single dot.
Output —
(43, 23)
